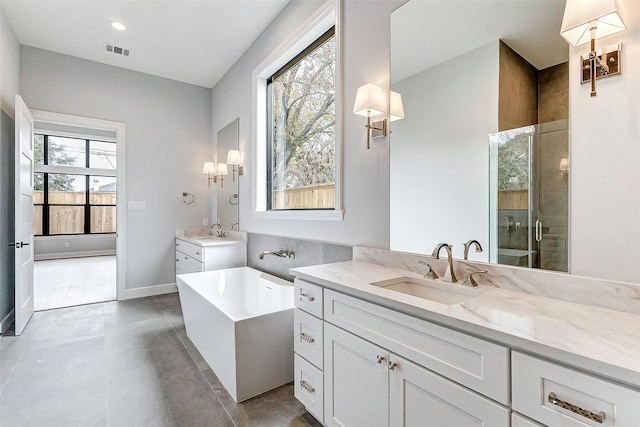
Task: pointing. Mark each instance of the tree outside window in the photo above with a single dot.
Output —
(303, 133)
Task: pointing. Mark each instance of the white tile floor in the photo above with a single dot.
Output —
(74, 281)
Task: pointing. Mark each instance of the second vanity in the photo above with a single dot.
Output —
(197, 250)
(369, 355)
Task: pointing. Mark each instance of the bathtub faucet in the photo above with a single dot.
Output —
(282, 253)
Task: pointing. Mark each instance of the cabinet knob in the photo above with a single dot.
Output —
(197, 253)
(392, 366)
(177, 260)
(186, 258)
(379, 359)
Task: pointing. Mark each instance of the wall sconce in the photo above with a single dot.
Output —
(233, 158)
(564, 164)
(370, 102)
(588, 20)
(210, 169)
(221, 172)
(395, 106)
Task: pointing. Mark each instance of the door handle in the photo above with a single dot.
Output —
(538, 230)
(18, 245)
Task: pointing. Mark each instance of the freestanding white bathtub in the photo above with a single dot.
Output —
(241, 321)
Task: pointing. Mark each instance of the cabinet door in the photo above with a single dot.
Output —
(421, 398)
(356, 381)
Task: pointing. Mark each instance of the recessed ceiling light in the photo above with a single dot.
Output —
(117, 25)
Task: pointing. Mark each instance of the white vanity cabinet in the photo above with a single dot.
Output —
(208, 254)
(379, 367)
(368, 384)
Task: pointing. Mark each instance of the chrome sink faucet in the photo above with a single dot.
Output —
(219, 231)
(449, 274)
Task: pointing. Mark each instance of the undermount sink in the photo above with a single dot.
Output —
(443, 293)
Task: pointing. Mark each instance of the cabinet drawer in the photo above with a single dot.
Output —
(186, 264)
(556, 395)
(475, 363)
(308, 297)
(307, 341)
(190, 249)
(309, 387)
(518, 420)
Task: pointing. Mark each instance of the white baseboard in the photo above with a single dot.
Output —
(148, 291)
(61, 255)
(7, 321)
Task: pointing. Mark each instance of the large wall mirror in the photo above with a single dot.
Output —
(228, 187)
(482, 152)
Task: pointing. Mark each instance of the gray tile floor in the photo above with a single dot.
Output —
(126, 363)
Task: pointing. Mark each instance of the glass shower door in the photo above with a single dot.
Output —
(511, 199)
(529, 196)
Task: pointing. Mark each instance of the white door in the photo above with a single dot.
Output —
(420, 398)
(356, 381)
(23, 216)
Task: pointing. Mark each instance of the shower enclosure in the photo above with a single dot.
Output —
(528, 199)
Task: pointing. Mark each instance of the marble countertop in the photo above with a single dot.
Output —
(600, 340)
(203, 236)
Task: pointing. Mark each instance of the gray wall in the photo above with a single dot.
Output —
(74, 246)
(168, 137)
(307, 252)
(9, 84)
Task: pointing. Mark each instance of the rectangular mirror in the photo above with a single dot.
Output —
(465, 87)
(228, 185)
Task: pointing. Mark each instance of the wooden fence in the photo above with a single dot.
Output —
(320, 196)
(70, 219)
(513, 199)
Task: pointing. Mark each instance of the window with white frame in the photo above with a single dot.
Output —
(297, 124)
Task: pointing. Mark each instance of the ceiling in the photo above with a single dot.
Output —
(192, 41)
(425, 33)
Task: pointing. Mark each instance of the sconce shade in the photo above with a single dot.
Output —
(369, 101)
(396, 110)
(579, 14)
(233, 157)
(209, 167)
(564, 164)
(222, 169)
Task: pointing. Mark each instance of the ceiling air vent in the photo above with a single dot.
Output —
(116, 49)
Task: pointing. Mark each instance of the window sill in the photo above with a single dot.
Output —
(306, 215)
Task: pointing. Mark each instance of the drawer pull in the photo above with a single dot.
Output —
(597, 417)
(306, 338)
(379, 359)
(392, 366)
(307, 387)
(306, 298)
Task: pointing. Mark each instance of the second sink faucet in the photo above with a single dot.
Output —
(468, 245)
(449, 274)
